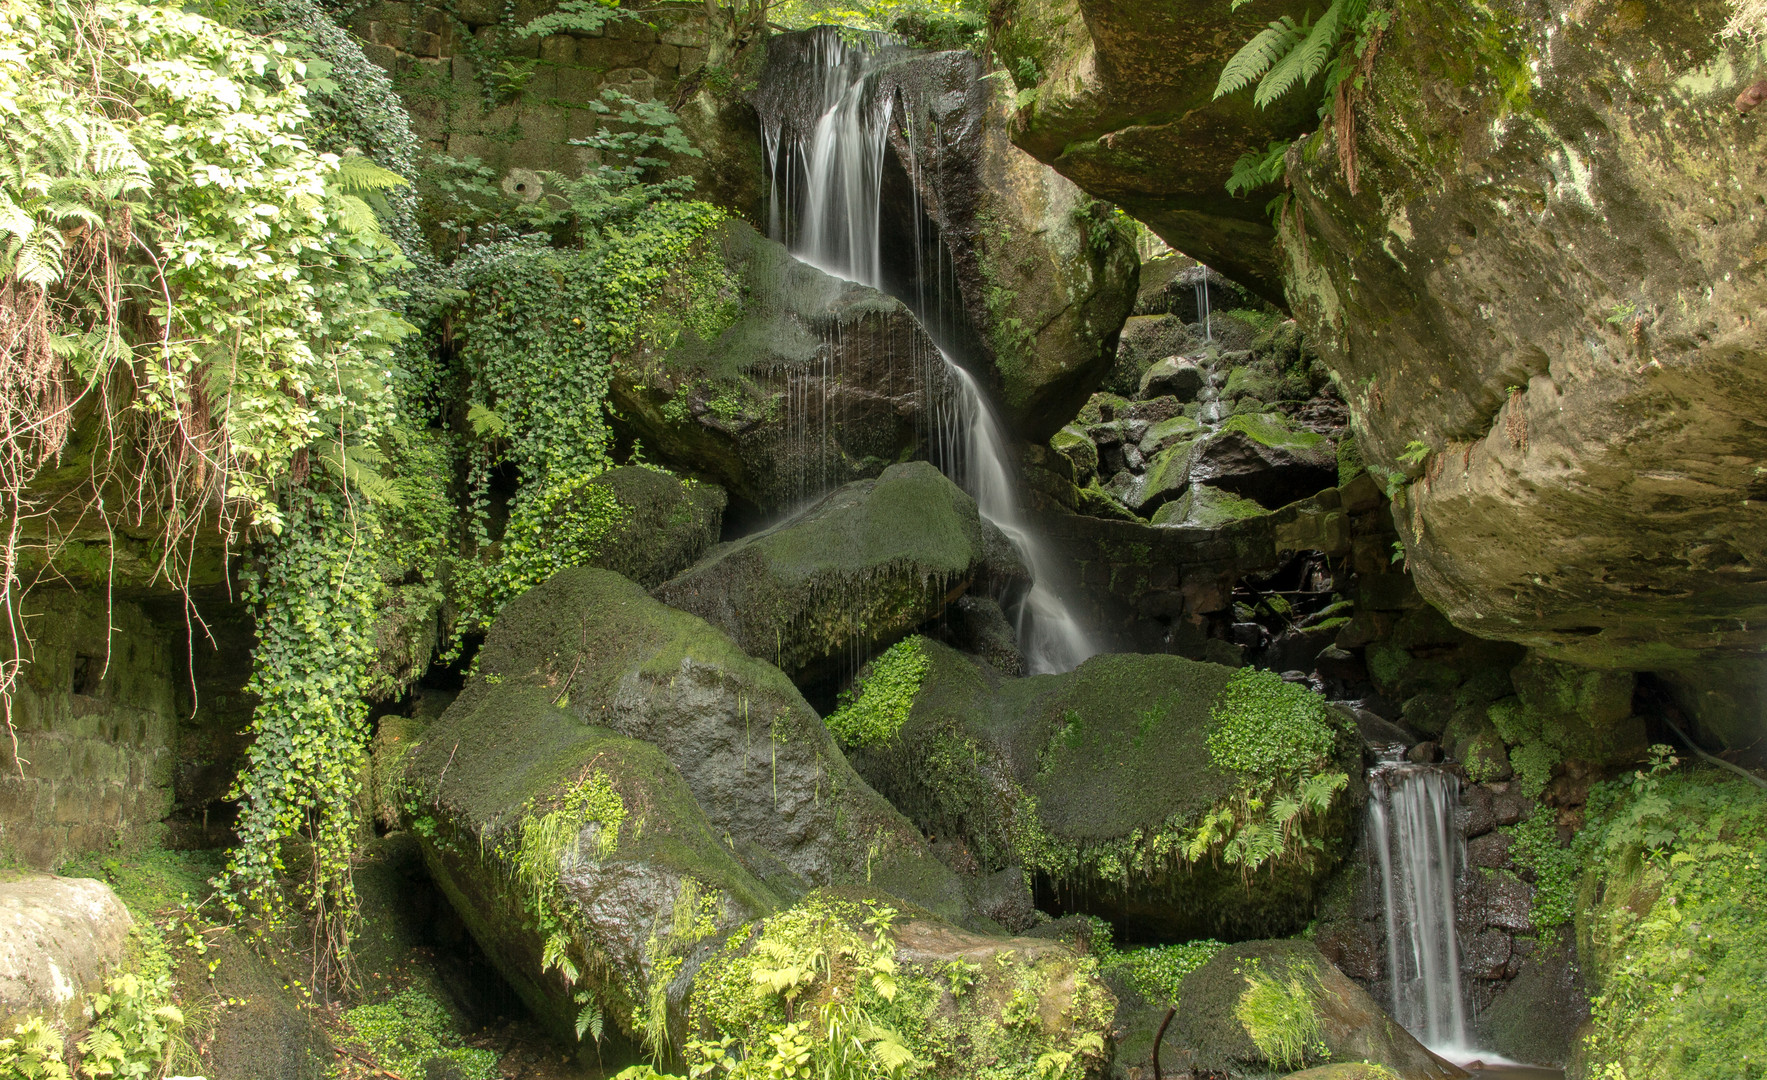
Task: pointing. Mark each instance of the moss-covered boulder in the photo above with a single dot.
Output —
(857, 569)
(1124, 784)
(773, 378)
(1265, 458)
(662, 524)
(1271, 1005)
(1205, 507)
(620, 785)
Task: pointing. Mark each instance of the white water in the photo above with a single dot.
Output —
(1412, 827)
(839, 231)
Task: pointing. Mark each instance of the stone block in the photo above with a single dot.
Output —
(579, 85)
(558, 49)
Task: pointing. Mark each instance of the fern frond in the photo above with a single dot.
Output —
(1291, 70)
(1306, 60)
(357, 216)
(356, 173)
(1260, 54)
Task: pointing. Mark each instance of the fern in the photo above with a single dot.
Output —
(1257, 56)
(1254, 170)
(357, 174)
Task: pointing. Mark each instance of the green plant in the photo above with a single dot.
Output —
(1414, 454)
(33, 1052)
(411, 1030)
(1276, 1009)
(1669, 919)
(1534, 846)
(1287, 54)
(1265, 727)
(879, 704)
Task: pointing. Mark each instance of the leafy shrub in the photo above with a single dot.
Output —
(1670, 911)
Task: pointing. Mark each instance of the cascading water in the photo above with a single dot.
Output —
(1412, 828)
(834, 174)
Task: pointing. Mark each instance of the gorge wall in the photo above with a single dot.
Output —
(1541, 292)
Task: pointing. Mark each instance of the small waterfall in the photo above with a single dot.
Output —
(1202, 304)
(1412, 828)
(835, 172)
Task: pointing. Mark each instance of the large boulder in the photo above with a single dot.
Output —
(1118, 96)
(618, 766)
(59, 938)
(1105, 782)
(664, 523)
(1044, 273)
(782, 379)
(1348, 1027)
(857, 569)
(1264, 458)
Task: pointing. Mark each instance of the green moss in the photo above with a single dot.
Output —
(1350, 463)
(1155, 971)
(1205, 507)
(1273, 430)
(879, 704)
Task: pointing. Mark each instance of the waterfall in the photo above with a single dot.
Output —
(1415, 836)
(835, 172)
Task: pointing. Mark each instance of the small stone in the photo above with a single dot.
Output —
(1336, 663)
(1508, 805)
(1176, 376)
(1426, 753)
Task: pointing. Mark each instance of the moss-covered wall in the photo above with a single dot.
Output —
(89, 765)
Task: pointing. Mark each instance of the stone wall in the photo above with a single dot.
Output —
(475, 88)
(94, 721)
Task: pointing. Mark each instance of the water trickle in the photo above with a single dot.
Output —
(825, 199)
(1202, 304)
(1413, 831)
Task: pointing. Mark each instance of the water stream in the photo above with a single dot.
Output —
(832, 176)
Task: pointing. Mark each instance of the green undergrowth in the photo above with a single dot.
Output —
(818, 991)
(1153, 970)
(878, 705)
(1671, 927)
(411, 1034)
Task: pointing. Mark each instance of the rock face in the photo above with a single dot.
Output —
(1050, 773)
(1544, 283)
(783, 380)
(1117, 95)
(1043, 274)
(614, 755)
(1351, 1027)
(859, 568)
(666, 524)
(59, 937)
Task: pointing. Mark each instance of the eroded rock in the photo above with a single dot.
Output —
(59, 938)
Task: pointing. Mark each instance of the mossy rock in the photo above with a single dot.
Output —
(1072, 444)
(1169, 432)
(1050, 773)
(856, 570)
(1349, 1027)
(1261, 456)
(1205, 507)
(729, 787)
(664, 525)
(746, 340)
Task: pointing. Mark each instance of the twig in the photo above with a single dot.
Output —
(1713, 758)
(1159, 1037)
(374, 1068)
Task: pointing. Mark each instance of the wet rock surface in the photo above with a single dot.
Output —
(853, 572)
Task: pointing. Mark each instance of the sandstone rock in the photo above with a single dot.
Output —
(674, 765)
(1049, 773)
(59, 938)
(1353, 1028)
(1076, 447)
(1536, 1016)
(856, 570)
(802, 379)
(981, 628)
(1205, 507)
(1178, 376)
(1125, 108)
(665, 523)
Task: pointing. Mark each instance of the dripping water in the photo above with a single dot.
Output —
(832, 177)
(1202, 303)
(1413, 831)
